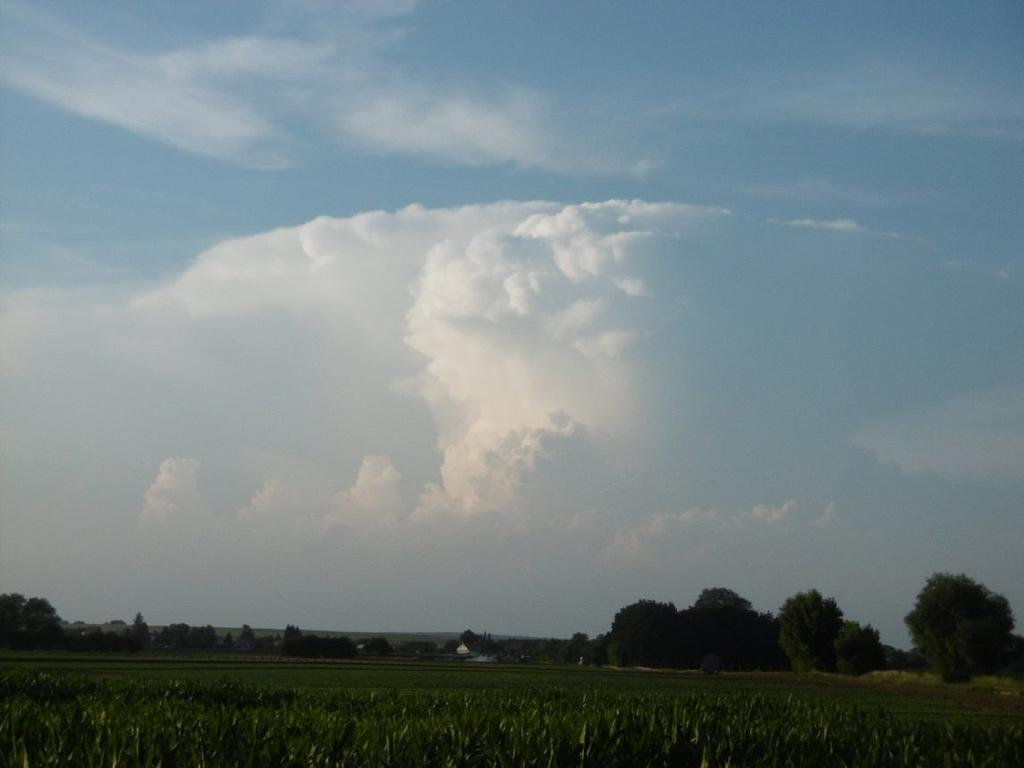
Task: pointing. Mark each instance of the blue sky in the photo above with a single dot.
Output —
(431, 315)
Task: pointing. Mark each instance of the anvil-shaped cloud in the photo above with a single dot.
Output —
(512, 322)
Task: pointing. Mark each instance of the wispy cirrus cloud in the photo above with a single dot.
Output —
(915, 93)
(826, 517)
(631, 542)
(168, 98)
(462, 129)
(816, 189)
(904, 96)
(246, 99)
(835, 225)
(840, 226)
(975, 437)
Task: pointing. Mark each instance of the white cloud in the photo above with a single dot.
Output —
(836, 225)
(631, 542)
(608, 344)
(770, 513)
(827, 516)
(1010, 270)
(577, 317)
(508, 371)
(174, 494)
(463, 129)
(267, 502)
(817, 190)
(373, 499)
(908, 96)
(975, 437)
(472, 345)
(158, 97)
(842, 226)
(244, 99)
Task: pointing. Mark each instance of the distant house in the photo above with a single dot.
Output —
(472, 654)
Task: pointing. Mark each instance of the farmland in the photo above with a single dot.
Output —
(176, 709)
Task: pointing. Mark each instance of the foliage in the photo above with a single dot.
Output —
(858, 649)
(896, 659)
(720, 622)
(645, 633)
(720, 597)
(1013, 659)
(182, 636)
(29, 623)
(418, 647)
(960, 626)
(808, 627)
(53, 720)
(139, 631)
(317, 647)
(740, 637)
(378, 645)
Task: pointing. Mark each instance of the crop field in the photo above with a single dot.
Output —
(220, 711)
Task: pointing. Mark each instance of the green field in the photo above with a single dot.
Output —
(235, 710)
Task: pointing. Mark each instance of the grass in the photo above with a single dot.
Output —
(73, 719)
(913, 697)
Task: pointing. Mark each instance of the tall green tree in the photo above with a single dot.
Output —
(960, 626)
(139, 630)
(37, 615)
(11, 606)
(858, 649)
(808, 627)
(246, 638)
(720, 597)
(645, 633)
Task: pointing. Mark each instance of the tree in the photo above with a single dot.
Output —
(645, 633)
(139, 631)
(379, 645)
(246, 638)
(723, 624)
(720, 597)
(201, 637)
(575, 648)
(315, 646)
(1013, 659)
(960, 626)
(858, 649)
(37, 615)
(29, 623)
(11, 605)
(808, 627)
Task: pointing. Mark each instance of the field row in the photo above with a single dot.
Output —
(59, 720)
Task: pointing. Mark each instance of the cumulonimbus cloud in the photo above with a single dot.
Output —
(506, 330)
(523, 341)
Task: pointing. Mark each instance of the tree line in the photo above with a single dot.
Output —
(959, 627)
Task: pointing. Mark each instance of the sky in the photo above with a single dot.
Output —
(425, 316)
